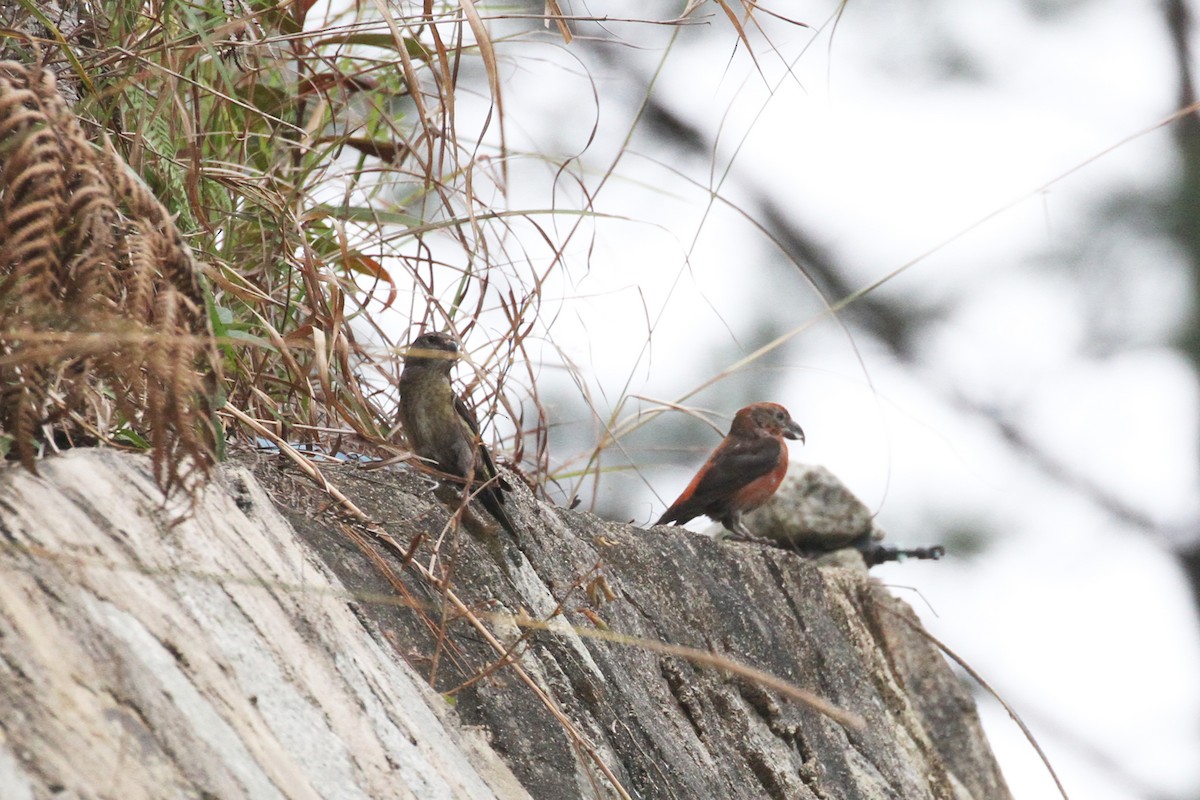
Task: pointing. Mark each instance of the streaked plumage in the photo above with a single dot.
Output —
(441, 429)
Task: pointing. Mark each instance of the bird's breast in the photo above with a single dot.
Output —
(433, 427)
(760, 490)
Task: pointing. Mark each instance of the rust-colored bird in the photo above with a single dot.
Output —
(440, 427)
(742, 473)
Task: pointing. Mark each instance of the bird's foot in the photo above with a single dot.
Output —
(744, 536)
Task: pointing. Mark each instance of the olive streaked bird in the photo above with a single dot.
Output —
(441, 428)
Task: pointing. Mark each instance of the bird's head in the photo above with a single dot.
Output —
(770, 418)
(432, 351)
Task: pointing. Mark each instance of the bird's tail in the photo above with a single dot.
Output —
(493, 501)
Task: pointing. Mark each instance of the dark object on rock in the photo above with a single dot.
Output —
(875, 553)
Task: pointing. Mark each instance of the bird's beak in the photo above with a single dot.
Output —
(794, 431)
(430, 354)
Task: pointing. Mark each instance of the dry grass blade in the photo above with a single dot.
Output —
(957, 659)
(554, 12)
(731, 15)
(844, 718)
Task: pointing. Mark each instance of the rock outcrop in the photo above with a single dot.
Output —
(263, 643)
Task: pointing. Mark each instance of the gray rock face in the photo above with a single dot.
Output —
(151, 652)
(159, 652)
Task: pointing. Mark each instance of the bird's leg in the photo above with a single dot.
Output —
(736, 530)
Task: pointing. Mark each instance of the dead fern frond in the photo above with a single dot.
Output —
(33, 195)
(101, 303)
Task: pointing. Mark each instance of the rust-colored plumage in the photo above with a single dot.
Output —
(440, 427)
(743, 472)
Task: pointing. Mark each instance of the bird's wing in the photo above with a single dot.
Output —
(491, 495)
(735, 463)
(485, 467)
(465, 414)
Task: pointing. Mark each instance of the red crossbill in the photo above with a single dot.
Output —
(440, 427)
(742, 473)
